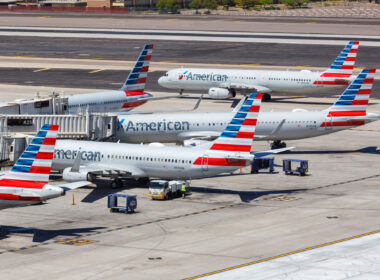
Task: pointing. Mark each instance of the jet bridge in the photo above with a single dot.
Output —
(16, 130)
(52, 104)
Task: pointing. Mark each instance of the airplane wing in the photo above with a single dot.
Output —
(112, 168)
(163, 97)
(163, 111)
(245, 86)
(198, 135)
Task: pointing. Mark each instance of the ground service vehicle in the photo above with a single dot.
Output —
(162, 189)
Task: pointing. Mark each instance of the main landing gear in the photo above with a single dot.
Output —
(116, 183)
(266, 97)
(180, 92)
(277, 144)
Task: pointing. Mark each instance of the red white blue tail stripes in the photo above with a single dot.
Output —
(35, 162)
(137, 77)
(351, 107)
(342, 67)
(239, 134)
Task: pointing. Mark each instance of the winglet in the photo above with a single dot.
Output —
(238, 106)
(76, 163)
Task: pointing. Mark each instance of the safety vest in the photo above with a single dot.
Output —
(183, 189)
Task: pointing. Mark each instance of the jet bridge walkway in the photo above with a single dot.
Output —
(16, 129)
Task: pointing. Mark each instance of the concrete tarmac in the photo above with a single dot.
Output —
(227, 221)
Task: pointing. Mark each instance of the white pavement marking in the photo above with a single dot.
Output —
(353, 258)
(311, 39)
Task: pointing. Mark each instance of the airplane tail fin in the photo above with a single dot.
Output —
(238, 135)
(351, 107)
(342, 67)
(137, 77)
(35, 162)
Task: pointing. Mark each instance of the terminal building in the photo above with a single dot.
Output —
(130, 4)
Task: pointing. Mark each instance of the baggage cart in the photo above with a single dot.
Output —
(115, 206)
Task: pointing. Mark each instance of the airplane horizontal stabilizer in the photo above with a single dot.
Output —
(75, 185)
(270, 152)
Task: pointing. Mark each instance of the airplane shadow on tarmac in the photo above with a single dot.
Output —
(245, 196)
(366, 150)
(42, 235)
(102, 189)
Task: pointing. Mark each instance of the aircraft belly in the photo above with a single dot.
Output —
(15, 203)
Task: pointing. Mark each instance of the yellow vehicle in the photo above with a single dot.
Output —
(162, 189)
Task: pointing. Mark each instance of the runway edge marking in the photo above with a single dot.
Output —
(283, 255)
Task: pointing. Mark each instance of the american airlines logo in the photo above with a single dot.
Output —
(203, 77)
(72, 154)
(155, 126)
(181, 76)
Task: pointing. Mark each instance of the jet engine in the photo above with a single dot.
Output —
(73, 176)
(221, 93)
(50, 191)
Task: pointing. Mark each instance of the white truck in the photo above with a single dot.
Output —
(162, 189)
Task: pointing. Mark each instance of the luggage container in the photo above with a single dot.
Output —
(262, 164)
(129, 206)
(295, 167)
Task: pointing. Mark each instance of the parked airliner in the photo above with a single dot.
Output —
(230, 151)
(129, 96)
(348, 111)
(224, 83)
(27, 181)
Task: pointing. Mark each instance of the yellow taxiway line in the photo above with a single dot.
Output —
(39, 70)
(283, 255)
(96, 71)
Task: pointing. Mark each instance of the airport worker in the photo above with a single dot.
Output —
(183, 190)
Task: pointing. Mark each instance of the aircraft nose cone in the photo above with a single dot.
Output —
(162, 80)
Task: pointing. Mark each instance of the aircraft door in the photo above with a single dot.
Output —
(328, 122)
(205, 163)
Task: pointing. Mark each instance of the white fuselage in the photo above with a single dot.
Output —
(101, 102)
(27, 193)
(179, 127)
(150, 161)
(262, 80)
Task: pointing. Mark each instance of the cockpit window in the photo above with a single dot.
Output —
(166, 74)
